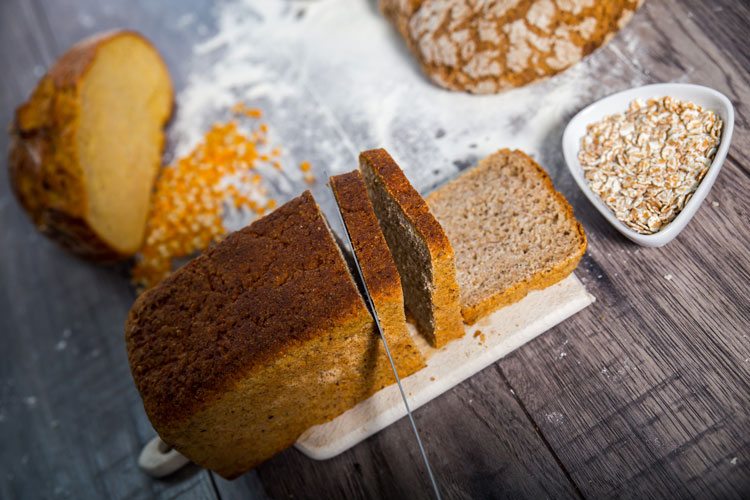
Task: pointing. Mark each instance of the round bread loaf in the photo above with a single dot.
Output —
(86, 147)
(486, 46)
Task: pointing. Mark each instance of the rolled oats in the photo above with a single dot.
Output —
(646, 163)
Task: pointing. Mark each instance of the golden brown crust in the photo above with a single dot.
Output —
(432, 293)
(486, 47)
(380, 273)
(410, 201)
(378, 270)
(261, 291)
(45, 174)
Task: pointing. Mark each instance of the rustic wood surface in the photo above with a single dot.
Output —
(644, 394)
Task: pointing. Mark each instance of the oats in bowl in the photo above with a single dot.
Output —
(646, 163)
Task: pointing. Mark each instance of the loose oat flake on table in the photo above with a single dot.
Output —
(646, 163)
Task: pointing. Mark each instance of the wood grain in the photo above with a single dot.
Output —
(651, 397)
(644, 394)
(478, 439)
(71, 421)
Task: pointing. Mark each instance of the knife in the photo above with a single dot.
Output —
(347, 240)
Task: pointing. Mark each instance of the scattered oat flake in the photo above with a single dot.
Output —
(733, 461)
(668, 277)
(646, 163)
(555, 418)
(714, 204)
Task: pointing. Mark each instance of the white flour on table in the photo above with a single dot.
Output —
(334, 78)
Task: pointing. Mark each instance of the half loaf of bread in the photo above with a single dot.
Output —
(261, 337)
(422, 252)
(511, 230)
(86, 147)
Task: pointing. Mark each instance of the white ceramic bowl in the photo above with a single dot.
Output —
(618, 103)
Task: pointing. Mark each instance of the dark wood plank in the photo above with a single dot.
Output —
(644, 394)
(478, 439)
(71, 420)
(647, 392)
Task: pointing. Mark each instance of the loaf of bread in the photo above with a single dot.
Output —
(422, 252)
(511, 230)
(378, 270)
(86, 147)
(258, 339)
(486, 47)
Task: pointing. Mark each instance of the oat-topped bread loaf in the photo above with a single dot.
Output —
(86, 147)
(512, 232)
(487, 46)
(248, 345)
(378, 269)
(423, 254)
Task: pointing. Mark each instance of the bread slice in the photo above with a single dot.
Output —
(378, 270)
(86, 146)
(253, 342)
(424, 256)
(511, 230)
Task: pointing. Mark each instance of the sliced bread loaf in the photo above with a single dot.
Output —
(86, 147)
(511, 230)
(378, 270)
(248, 345)
(422, 252)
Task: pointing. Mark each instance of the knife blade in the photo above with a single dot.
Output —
(347, 240)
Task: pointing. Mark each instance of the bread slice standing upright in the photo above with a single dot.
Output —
(511, 230)
(250, 344)
(86, 147)
(378, 269)
(422, 252)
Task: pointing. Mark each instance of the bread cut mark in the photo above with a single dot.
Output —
(378, 269)
(231, 375)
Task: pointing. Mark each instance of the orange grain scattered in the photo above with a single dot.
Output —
(191, 194)
(241, 109)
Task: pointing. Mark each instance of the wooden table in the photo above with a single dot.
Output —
(644, 394)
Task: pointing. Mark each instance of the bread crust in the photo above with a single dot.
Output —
(486, 47)
(410, 201)
(444, 291)
(45, 173)
(378, 268)
(226, 308)
(541, 280)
